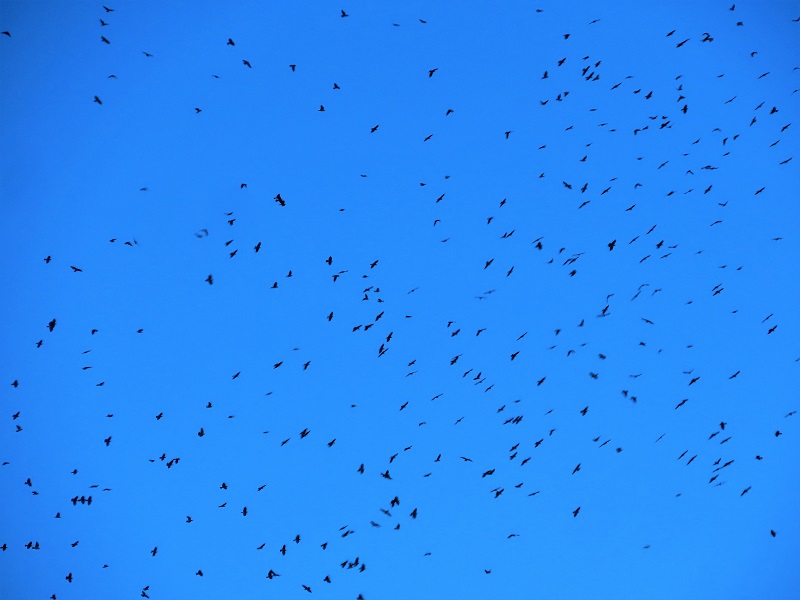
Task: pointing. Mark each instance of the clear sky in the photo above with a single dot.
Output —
(534, 265)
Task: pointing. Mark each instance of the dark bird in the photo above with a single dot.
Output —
(279, 200)
(576, 511)
(247, 64)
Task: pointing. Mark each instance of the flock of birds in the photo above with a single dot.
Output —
(390, 314)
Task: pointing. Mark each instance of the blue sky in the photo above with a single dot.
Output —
(637, 261)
